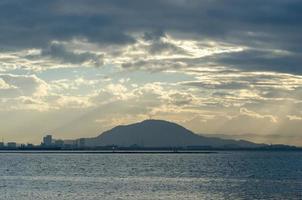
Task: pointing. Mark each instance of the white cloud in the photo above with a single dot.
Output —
(4, 85)
(23, 85)
(73, 102)
(294, 117)
(244, 111)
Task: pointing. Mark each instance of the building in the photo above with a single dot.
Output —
(1, 144)
(47, 140)
(80, 143)
(59, 143)
(12, 145)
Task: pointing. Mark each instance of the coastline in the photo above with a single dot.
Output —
(212, 151)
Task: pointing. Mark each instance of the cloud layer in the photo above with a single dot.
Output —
(77, 67)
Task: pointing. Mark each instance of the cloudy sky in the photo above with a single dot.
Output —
(74, 68)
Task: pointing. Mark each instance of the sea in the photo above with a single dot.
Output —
(80, 176)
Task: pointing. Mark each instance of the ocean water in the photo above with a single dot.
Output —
(225, 175)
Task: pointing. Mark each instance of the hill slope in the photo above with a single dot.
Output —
(159, 133)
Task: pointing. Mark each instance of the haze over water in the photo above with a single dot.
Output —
(226, 175)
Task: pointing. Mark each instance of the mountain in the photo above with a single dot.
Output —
(160, 133)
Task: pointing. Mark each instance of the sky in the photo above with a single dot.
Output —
(75, 68)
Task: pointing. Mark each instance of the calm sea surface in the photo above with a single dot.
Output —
(226, 175)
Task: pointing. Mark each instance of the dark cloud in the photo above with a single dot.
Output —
(154, 35)
(258, 24)
(109, 21)
(259, 60)
(33, 23)
(58, 51)
(159, 44)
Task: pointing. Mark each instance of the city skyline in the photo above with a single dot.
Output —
(146, 136)
(135, 132)
(77, 68)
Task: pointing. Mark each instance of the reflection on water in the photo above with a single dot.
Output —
(226, 175)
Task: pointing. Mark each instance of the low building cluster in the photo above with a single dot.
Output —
(47, 143)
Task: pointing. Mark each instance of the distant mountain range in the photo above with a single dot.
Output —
(161, 134)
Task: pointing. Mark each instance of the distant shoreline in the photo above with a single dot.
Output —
(101, 152)
(139, 151)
